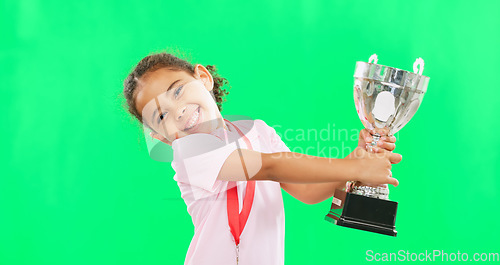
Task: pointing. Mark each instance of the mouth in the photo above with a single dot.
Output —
(193, 121)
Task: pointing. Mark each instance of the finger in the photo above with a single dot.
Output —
(390, 139)
(395, 158)
(393, 181)
(387, 145)
(365, 135)
(376, 149)
(373, 149)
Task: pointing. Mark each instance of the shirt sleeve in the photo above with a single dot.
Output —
(198, 158)
(277, 145)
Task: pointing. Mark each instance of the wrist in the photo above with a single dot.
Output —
(352, 169)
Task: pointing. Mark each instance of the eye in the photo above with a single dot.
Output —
(161, 117)
(177, 91)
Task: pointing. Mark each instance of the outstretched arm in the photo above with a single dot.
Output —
(289, 167)
(318, 192)
(312, 193)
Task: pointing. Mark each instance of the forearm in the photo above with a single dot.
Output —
(290, 167)
(318, 192)
(312, 193)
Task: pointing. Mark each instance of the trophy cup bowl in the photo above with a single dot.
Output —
(386, 98)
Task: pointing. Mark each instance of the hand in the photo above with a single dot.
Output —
(375, 168)
(385, 143)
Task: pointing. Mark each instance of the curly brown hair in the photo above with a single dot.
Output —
(156, 61)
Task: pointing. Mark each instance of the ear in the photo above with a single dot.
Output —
(160, 137)
(204, 76)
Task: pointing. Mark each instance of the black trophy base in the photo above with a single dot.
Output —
(364, 213)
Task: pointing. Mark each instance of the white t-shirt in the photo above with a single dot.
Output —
(198, 159)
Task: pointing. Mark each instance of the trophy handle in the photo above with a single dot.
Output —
(374, 57)
(418, 62)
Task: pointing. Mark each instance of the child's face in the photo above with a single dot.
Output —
(176, 104)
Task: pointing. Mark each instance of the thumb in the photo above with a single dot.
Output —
(395, 158)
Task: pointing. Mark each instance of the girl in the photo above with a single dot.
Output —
(230, 174)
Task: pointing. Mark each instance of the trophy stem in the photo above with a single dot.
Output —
(376, 138)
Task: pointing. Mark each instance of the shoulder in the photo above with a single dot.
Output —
(254, 128)
(196, 144)
(257, 123)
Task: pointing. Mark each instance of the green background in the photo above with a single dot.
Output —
(77, 185)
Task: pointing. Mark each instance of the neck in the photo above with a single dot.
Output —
(221, 121)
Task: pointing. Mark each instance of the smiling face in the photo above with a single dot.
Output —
(175, 104)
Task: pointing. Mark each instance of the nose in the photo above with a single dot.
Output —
(181, 112)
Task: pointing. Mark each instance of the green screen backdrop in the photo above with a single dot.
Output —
(77, 185)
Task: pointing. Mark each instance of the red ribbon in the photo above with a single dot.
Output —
(236, 220)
